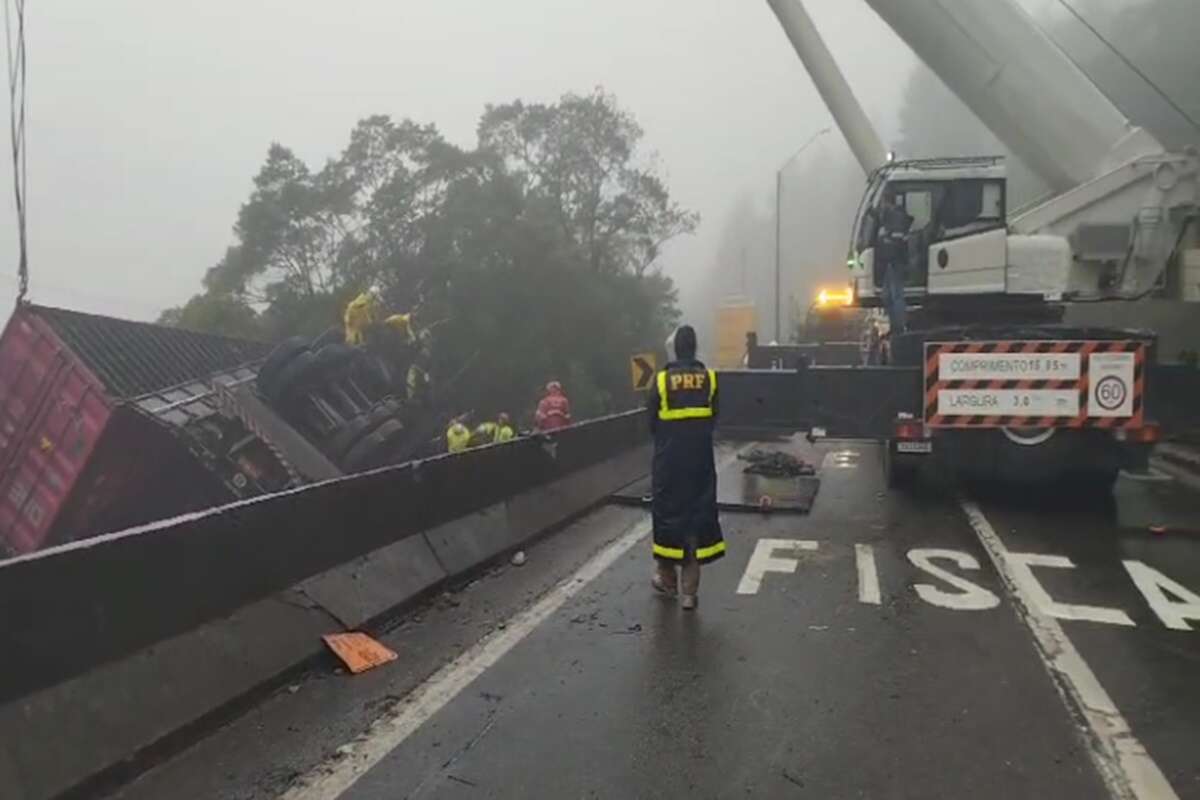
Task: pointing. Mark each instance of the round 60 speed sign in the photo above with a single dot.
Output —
(1111, 392)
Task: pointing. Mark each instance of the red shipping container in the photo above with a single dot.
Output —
(70, 446)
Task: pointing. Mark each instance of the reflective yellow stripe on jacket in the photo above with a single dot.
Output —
(668, 552)
(665, 412)
(677, 553)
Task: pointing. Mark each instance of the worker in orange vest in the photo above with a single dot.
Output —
(554, 409)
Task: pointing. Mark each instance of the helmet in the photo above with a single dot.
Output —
(554, 387)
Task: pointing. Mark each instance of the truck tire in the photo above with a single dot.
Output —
(277, 359)
(334, 357)
(899, 472)
(334, 335)
(294, 375)
(371, 450)
(350, 433)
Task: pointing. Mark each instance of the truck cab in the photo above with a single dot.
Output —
(956, 239)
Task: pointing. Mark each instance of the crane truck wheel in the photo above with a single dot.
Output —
(277, 359)
(899, 471)
(372, 450)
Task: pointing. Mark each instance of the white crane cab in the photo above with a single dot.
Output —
(950, 236)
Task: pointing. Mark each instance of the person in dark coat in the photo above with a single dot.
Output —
(683, 411)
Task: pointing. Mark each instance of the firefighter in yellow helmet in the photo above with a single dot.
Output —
(458, 436)
(687, 532)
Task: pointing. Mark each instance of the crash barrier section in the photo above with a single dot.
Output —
(115, 645)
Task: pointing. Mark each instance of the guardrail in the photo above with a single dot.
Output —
(70, 608)
(118, 643)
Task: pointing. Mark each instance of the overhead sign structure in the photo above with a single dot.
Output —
(1042, 384)
(642, 367)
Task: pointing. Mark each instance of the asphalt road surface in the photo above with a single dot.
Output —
(927, 644)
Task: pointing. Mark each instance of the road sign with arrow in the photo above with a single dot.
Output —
(642, 367)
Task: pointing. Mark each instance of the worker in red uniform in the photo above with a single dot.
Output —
(682, 408)
(554, 409)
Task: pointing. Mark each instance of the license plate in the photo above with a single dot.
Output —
(914, 447)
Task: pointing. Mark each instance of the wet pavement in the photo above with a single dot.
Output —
(868, 649)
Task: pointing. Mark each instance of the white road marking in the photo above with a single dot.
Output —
(764, 560)
(1151, 475)
(868, 575)
(970, 597)
(1155, 586)
(329, 780)
(1021, 566)
(1126, 768)
(840, 459)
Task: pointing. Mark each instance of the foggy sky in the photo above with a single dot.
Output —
(149, 119)
(147, 122)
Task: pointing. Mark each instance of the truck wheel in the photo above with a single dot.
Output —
(373, 449)
(355, 429)
(898, 472)
(334, 335)
(333, 357)
(277, 359)
(298, 370)
(344, 437)
(1099, 480)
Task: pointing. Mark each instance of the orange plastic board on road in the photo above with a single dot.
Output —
(358, 651)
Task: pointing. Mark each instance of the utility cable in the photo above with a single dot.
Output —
(15, 45)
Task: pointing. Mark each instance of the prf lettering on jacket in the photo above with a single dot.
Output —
(687, 381)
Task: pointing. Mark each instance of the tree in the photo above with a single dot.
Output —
(579, 158)
(214, 313)
(532, 255)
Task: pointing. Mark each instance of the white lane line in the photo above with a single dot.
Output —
(1126, 768)
(868, 575)
(329, 780)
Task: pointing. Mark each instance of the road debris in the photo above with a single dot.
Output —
(775, 464)
(358, 651)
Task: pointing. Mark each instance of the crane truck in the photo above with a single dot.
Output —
(987, 377)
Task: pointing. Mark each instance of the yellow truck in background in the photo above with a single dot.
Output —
(735, 318)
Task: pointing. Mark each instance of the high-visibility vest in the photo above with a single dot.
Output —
(457, 438)
(686, 393)
(484, 433)
(504, 433)
(361, 312)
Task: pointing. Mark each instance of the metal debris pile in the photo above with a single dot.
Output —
(775, 464)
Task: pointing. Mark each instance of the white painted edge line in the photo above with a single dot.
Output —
(868, 575)
(1176, 473)
(1123, 763)
(332, 778)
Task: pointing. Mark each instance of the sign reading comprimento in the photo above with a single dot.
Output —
(1034, 384)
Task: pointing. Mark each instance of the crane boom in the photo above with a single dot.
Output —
(1020, 84)
(832, 85)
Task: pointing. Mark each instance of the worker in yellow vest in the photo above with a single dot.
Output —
(683, 410)
(458, 436)
(504, 428)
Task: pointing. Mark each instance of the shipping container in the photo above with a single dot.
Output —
(78, 454)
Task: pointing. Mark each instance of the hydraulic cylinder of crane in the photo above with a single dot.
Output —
(830, 82)
(998, 61)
